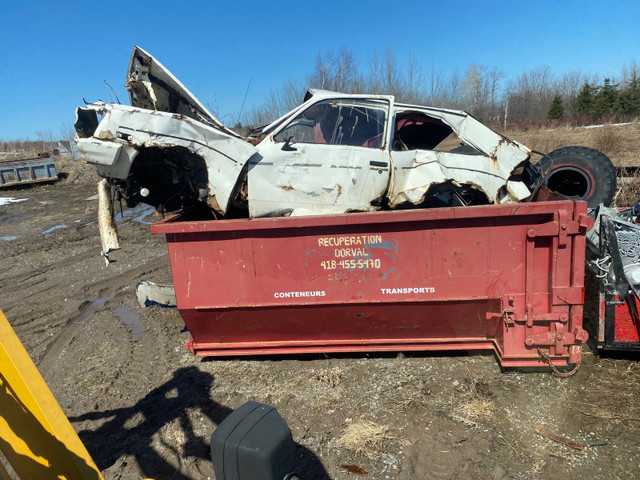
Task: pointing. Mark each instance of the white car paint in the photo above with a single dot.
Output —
(300, 175)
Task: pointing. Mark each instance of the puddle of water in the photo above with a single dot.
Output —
(95, 305)
(131, 318)
(8, 200)
(136, 214)
(99, 302)
(7, 239)
(92, 308)
(57, 227)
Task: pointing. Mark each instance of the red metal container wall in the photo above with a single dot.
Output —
(508, 277)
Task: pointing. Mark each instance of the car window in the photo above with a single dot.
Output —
(338, 122)
(415, 130)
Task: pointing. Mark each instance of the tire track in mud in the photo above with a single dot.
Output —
(38, 288)
(122, 401)
(68, 262)
(35, 300)
(108, 288)
(141, 361)
(63, 339)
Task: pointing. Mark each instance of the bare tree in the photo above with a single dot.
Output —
(392, 83)
(480, 89)
(277, 103)
(373, 80)
(320, 76)
(45, 140)
(452, 96)
(530, 95)
(473, 88)
(436, 90)
(67, 131)
(494, 76)
(630, 72)
(346, 72)
(413, 82)
(337, 72)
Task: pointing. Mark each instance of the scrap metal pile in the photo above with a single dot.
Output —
(613, 255)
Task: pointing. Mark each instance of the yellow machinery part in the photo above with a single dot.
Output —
(36, 438)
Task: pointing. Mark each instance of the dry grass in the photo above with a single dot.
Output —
(622, 407)
(609, 140)
(618, 142)
(365, 438)
(518, 448)
(475, 401)
(473, 410)
(628, 189)
(330, 376)
(413, 396)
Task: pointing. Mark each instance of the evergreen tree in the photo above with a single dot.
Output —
(556, 110)
(584, 100)
(628, 100)
(605, 99)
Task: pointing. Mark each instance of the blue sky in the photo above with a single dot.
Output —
(54, 54)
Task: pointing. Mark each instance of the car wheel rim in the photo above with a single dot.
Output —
(570, 182)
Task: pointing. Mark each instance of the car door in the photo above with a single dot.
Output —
(333, 157)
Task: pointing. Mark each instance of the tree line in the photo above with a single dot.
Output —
(606, 99)
(534, 96)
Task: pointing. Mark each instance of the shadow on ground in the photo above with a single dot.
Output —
(130, 431)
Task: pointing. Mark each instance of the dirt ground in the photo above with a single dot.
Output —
(145, 407)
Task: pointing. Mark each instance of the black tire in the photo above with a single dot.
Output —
(580, 173)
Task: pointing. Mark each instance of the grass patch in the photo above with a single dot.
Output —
(628, 189)
(365, 438)
(618, 142)
(475, 402)
(330, 376)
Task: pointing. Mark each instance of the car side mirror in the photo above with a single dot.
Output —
(287, 146)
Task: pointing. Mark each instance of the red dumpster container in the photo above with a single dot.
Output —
(503, 277)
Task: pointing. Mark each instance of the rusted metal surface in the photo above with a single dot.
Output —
(540, 430)
(32, 170)
(502, 277)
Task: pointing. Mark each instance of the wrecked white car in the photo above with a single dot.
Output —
(335, 153)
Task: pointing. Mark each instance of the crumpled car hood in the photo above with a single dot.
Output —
(152, 86)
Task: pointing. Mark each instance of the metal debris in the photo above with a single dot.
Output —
(557, 438)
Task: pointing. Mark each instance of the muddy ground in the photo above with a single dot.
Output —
(145, 407)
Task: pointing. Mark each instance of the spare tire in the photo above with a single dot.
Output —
(580, 173)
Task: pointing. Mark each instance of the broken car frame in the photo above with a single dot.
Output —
(335, 153)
